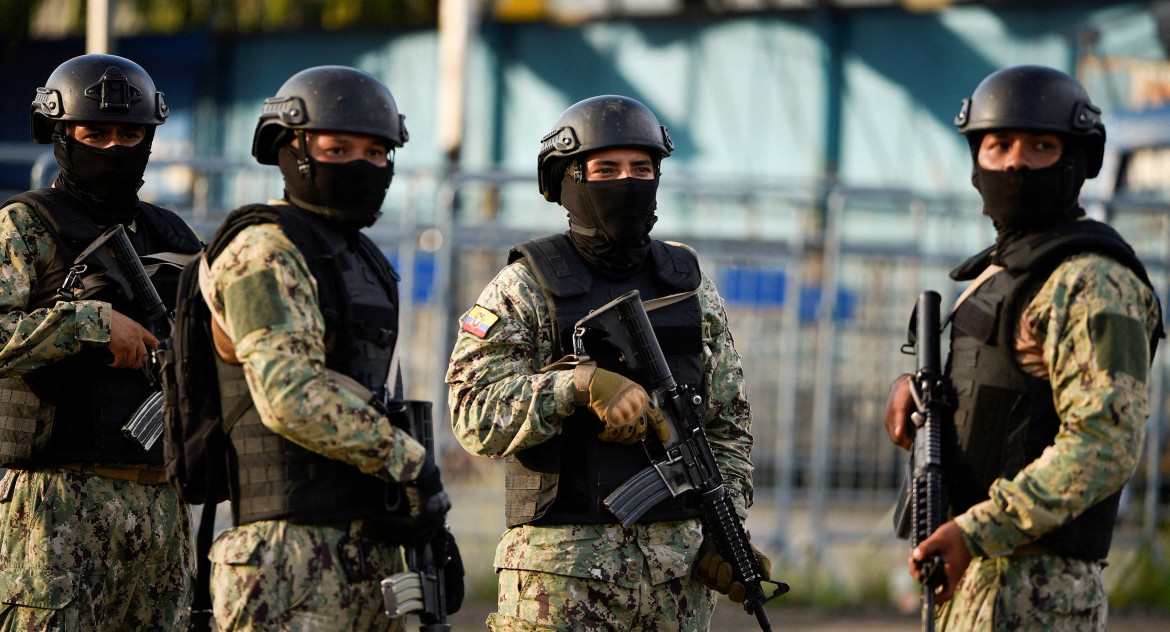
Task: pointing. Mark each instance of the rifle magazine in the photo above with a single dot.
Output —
(402, 593)
(637, 495)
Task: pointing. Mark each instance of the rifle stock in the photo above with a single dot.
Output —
(112, 260)
(688, 464)
(115, 259)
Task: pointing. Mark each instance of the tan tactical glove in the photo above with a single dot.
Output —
(716, 573)
(621, 404)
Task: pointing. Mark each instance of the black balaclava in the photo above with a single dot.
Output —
(349, 193)
(105, 181)
(1032, 200)
(610, 220)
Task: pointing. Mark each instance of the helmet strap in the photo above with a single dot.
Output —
(304, 163)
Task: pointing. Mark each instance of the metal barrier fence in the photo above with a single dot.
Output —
(819, 283)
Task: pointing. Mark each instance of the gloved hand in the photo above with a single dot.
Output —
(424, 511)
(621, 404)
(716, 573)
(447, 553)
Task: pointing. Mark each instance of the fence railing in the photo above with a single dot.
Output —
(819, 283)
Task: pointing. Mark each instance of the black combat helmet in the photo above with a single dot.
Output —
(598, 123)
(1034, 98)
(328, 98)
(97, 89)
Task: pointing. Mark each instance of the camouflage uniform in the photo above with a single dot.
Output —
(271, 573)
(587, 577)
(1100, 390)
(276, 574)
(77, 550)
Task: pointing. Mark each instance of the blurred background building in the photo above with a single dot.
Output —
(817, 172)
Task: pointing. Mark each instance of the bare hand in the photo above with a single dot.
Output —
(128, 342)
(948, 543)
(899, 407)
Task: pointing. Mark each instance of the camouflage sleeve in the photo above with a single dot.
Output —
(263, 289)
(37, 337)
(1095, 318)
(729, 417)
(500, 402)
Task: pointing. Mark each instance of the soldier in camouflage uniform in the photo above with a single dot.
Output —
(569, 434)
(91, 537)
(303, 304)
(1050, 350)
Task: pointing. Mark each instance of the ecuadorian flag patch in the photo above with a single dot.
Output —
(479, 321)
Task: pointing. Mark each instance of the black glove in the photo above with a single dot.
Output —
(445, 550)
(716, 573)
(420, 509)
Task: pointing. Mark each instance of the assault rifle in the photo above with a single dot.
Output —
(421, 589)
(921, 506)
(687, 463)
(111, 260)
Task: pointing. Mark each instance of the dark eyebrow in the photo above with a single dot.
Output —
(609, 163)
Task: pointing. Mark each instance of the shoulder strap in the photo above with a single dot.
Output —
(557, 267)
(237, 221)
(677, 265)
(62, 217)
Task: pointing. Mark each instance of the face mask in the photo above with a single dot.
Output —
(1032, 200)
(350, 193)
(610, 220)
(105, 180)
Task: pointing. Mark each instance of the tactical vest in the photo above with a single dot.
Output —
(73, 410)
(274, 478)
(565, 479)
(1005, 417)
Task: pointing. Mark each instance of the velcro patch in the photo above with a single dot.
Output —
(254, 301)
(478, 321)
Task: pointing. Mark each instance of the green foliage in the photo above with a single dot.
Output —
(247, 16)
(1141, 579)
(17, 18)
(235, 16)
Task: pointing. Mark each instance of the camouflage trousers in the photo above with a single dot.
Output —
(86, 552)
(1028, 592)
(276, 575)
(546, 602)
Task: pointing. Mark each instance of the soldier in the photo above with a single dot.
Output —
(304, 303)
(570, 436)
(91, 536)
(1050, 350)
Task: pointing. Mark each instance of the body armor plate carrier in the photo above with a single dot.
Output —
(548, 484)
(273, 478)
(1005, 418)
(73, 410)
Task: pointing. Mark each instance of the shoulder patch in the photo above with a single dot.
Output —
(478, 321)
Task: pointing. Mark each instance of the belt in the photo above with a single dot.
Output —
(1032, 548)
(149, 475)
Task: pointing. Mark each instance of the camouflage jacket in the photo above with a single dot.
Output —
(502, 404)
(261, 287)
(34, 338)
(1100, 390)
